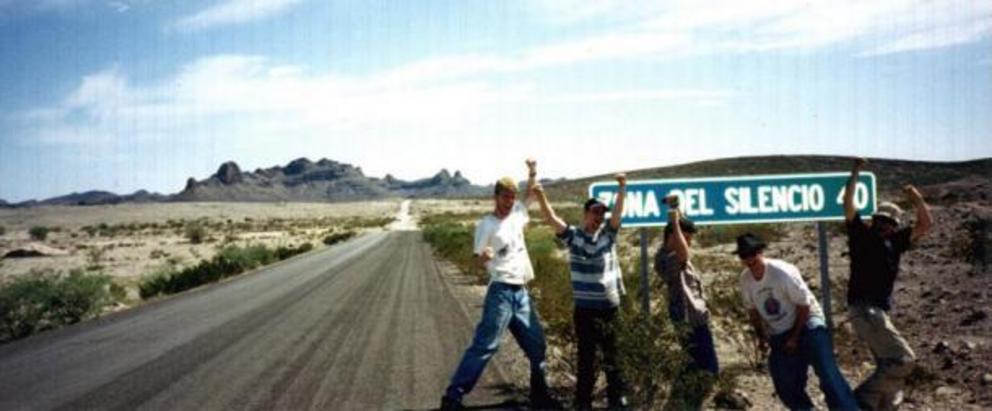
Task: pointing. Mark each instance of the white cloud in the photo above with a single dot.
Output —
(230, 12)
(937, 38)
(119, 6)
(260, 112)
(720, 26)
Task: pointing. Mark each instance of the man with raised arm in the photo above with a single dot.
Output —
(875, 250)
(500, 248)
(786, 315)
(597, 284)
(687, 310)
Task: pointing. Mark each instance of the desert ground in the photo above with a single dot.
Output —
(942, 297)
(128, 241)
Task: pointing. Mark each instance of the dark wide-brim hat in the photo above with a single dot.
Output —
(749, 243)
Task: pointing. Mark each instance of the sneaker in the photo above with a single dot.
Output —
(451, 404)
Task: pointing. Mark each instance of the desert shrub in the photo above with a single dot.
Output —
(155, 283)
(118, 292)
(94, 257)
(90, 230)
(334, 238)
(283, 253)
(156, 254)
(367, 222)
(43, 300)
(3, 230)
(727, 234)
(38, 232)
(451, 236)
(195, 233)
(230, 261)
(651, 356)
(552, 284)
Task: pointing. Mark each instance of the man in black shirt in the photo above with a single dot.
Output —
(875, 250)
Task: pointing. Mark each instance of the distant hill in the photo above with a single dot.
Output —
(301, 180)
(98, 198)
(891, 174)
(328, 180)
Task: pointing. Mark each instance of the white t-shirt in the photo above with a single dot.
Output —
(777, 295)
(510, 263)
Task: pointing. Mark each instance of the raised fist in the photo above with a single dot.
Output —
(531, 163)
(621, 179)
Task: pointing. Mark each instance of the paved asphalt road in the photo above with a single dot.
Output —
(367, 324)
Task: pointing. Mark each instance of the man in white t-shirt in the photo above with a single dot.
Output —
(499, 246)
(786, 315)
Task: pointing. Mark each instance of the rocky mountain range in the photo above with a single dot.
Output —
(327, 180)
(301, 180)
(324, 180)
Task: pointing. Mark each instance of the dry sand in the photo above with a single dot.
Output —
(139, 239)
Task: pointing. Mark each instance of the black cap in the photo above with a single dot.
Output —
(592, 202)
(748, 244)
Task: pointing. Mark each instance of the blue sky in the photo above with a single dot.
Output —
(130, 94)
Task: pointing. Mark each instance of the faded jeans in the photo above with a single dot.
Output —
(789, 371)
(505, 306)
(894, 359)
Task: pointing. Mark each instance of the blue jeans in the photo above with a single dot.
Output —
(505, 306)
(789, 371)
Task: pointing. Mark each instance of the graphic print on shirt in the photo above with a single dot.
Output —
(771, 305)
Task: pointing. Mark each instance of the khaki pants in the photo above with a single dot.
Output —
(893, 357)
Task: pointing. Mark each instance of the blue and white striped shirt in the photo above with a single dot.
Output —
(592, 259)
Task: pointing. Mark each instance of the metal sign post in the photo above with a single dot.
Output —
(739, 200)
(821, 234)
(645, 288)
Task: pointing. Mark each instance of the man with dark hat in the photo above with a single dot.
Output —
(875, 251)
(787, 316)
(500, 248)
(687, 309)
(597, 285)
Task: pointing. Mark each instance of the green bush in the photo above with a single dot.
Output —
(335, 238)
(230, 261)
(195, 233)
(154, 283)
(451, 236)
(44, 300)
(39, 232)
(552, 284)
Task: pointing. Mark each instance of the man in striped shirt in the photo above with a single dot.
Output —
(596, 288)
